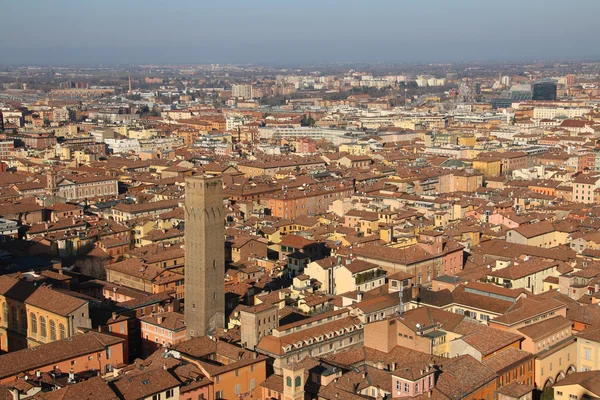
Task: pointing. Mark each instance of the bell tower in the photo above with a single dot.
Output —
(293, 382)
(51, 182)
(204, 256)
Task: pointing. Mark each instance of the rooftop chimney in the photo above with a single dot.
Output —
(415, 291)
(16, 395)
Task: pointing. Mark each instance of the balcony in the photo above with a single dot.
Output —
(368, 276)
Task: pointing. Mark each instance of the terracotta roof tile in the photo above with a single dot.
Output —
(526, 308)
(545, 327)
(146, 384)
(95, 388)
(488, 340)
(52, 353)
(54, 301)
(463, 375)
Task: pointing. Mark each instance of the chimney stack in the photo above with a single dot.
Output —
(415, 291)
(15, 393)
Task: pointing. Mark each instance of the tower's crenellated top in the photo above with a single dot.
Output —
(203, 182)
(203, 191)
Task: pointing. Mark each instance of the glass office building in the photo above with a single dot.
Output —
(543, 91)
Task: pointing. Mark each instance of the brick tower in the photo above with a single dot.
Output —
(204, 256)
(51, 182)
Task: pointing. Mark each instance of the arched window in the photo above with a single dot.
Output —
(288, 381)
(5, 312)
(52, 330)
(33, 322)
(23, 319)
(298, 382)
(62, 332)
(43, 327)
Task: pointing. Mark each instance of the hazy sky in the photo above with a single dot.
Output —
(295, 31)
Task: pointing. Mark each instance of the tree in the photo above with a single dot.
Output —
(144, 110)
(547, 394)
(92, 266)
(307, 120)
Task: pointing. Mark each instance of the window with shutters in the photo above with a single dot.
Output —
(52, 330)
(33, 322)
(43, 327)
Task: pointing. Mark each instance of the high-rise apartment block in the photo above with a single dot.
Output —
(241, 91)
